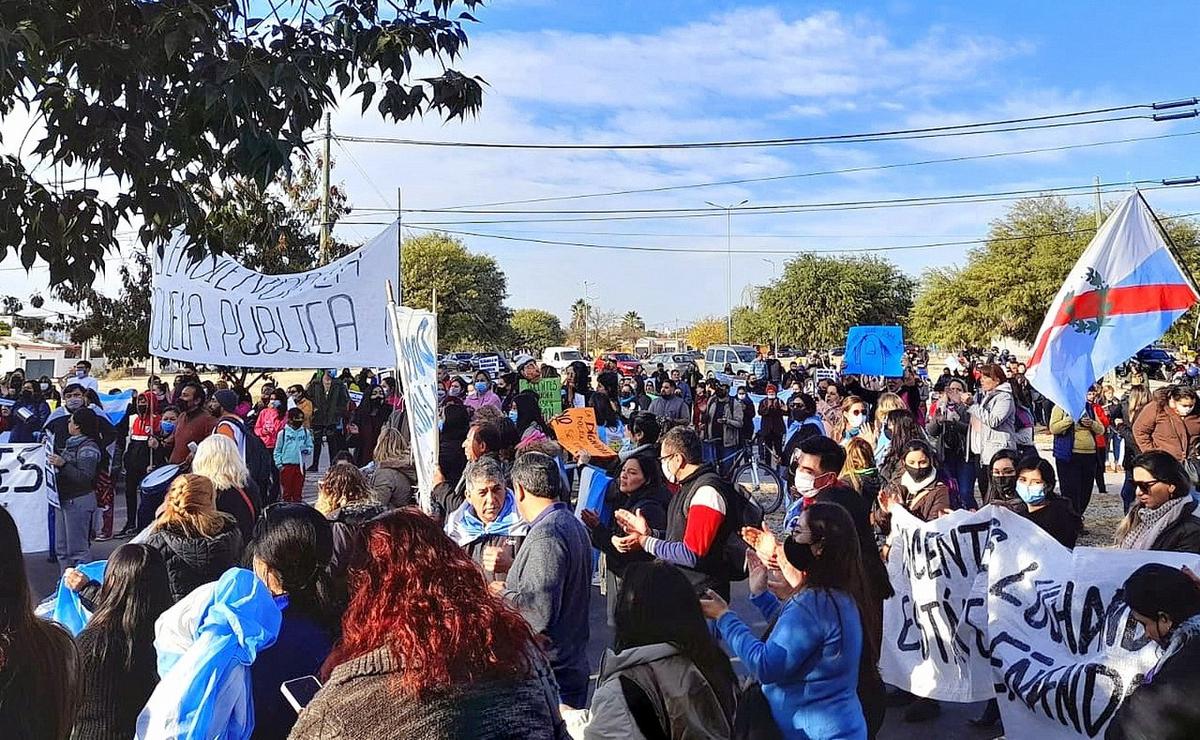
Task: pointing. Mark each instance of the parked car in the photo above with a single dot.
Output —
(680, 361)
(626, 363)
(737, 356)
(560, 357)
(1156, 362)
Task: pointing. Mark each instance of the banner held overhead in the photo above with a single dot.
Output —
(215, 311)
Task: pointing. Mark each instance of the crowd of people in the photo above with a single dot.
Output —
(471, 618)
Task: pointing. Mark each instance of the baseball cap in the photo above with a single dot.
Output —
(522, 360)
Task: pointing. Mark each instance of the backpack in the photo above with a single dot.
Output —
(741, 511)
(1023, 418)
(259, 460)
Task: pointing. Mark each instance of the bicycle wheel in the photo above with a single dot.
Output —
(761, 484)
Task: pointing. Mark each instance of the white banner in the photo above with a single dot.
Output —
(416, 359)
(1045, 626)
(26, 487)
(216, 311)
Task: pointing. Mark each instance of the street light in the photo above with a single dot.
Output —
(729, 267)
(773, 269)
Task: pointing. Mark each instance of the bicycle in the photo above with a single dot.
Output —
(753, 476)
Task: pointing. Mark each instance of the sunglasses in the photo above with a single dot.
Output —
(1145, 485)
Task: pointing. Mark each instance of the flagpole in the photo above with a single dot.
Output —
(1170, 244)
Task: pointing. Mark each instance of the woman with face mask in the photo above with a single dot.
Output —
(369, 419)
(29, 414)
(1002, 489)
(481, 394)
(852, 422)
(1169, 423)
(1165, 601)
(897, 430)
(817, 667)
(140, 457)
(1054, 514)
(1164, 514)
(918, 487)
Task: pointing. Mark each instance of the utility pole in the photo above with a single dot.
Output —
(400, 247)
(1099, 218)
(325, 193)
(585, 313)
(729, 264)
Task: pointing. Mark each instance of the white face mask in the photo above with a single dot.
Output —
(806, 484)
(667, 474)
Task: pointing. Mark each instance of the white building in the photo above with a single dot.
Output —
(38, 357)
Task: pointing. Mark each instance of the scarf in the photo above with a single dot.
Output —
(914, 487)
(464, 527)
(1184, 631)
(1151, 523)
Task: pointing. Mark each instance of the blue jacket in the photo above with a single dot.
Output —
(290, 444)
(808, 665)
(31, 430)
(299, 650)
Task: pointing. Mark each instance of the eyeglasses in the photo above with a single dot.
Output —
(667, 457)
(1145, 485)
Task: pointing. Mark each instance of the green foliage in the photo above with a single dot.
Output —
(471, 290)
(172, 97)
(1007, 285)
(818, 298)
(534, 329)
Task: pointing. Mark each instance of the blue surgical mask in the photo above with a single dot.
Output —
(481, 387)
(1031, 494)
(512, 415)
(168, 427)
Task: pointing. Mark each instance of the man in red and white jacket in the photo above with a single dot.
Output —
(698, 524)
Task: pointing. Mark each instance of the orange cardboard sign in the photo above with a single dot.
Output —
(576, 432)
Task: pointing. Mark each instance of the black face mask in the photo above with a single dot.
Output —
(917, 473)
(1005, 485)
(800, 556)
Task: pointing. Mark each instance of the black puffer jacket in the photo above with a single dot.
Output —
(346, 523)
(194, 561)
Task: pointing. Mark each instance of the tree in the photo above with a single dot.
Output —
(172, 97)
(471, 289)
(817, 299)
(1008, 284)
(273, 228)
(707, 331)
(535, 329)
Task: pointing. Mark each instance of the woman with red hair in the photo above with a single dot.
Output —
(426, 650)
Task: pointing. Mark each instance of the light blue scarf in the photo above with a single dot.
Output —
(464, 527)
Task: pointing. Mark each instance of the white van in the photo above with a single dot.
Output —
(737, 356)
(560, 357)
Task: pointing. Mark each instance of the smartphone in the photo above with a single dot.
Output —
(300, 691)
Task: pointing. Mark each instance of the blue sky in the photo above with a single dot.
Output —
(668, 70)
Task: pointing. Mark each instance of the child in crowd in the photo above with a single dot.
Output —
(293, 445)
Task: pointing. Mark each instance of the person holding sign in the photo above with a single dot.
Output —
(1166, 603)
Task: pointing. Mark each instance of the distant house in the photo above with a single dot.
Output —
(37, 357)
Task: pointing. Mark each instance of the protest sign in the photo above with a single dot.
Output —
(576, 432)
(929, 647)
(988, 605)
(25, 487)
(875, 350)
(490, 364)
(549, 392)
(593, 484)
(213, 310)
(416, 358)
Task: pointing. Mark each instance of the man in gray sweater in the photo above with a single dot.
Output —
(669, 404)
(550, 580)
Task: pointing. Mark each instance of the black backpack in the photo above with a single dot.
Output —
(258, 458)
(741, 511)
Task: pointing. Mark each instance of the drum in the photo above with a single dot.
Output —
(153, 491)
(157, 481)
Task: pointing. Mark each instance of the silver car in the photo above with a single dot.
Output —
(680, 361)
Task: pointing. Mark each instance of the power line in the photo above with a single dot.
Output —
(851, 250)
(1051, 120)
(820, 173)
(657, 214)
(770, 207)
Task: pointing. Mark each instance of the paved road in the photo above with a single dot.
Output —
(952, 722)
